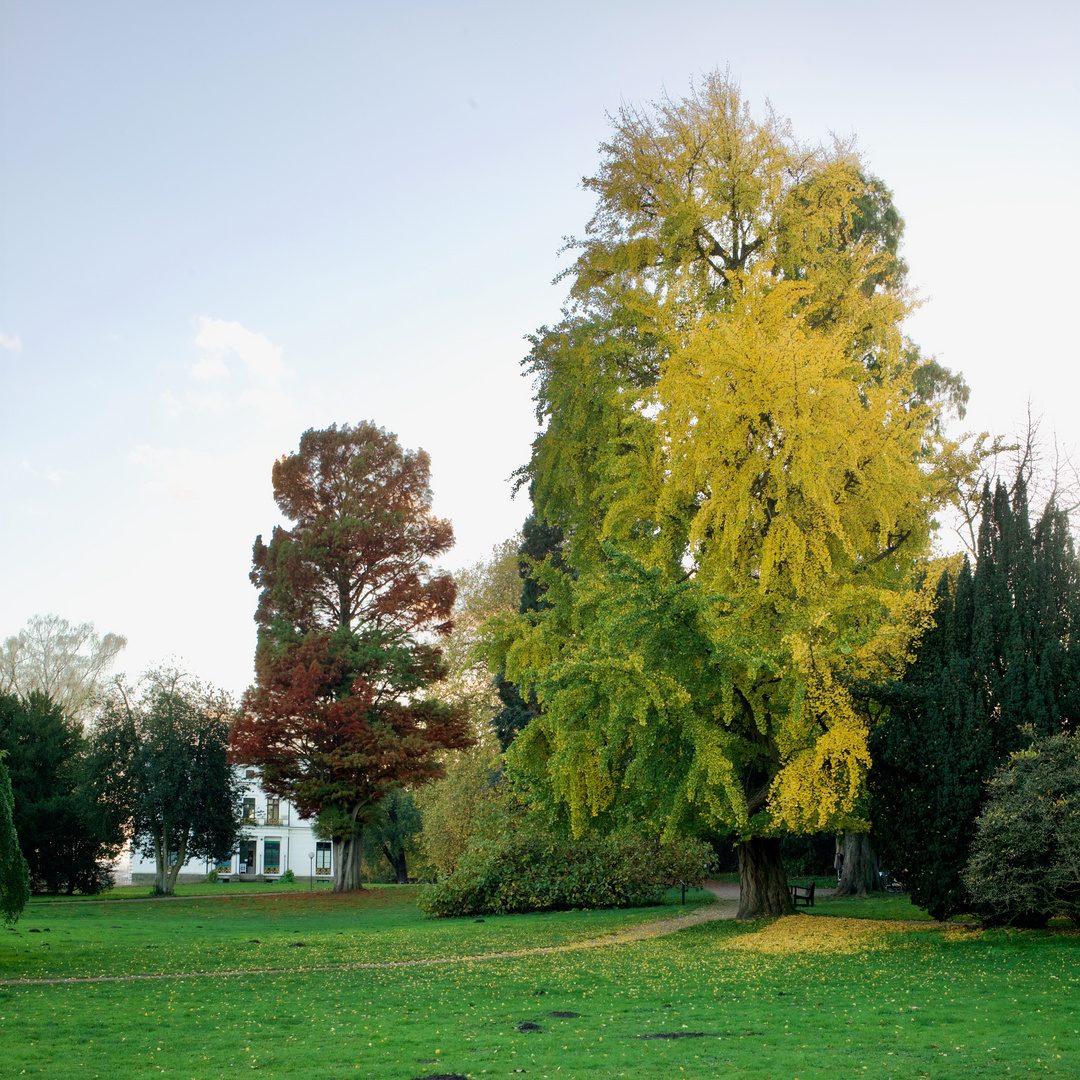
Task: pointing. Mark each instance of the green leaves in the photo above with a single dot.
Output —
(14, 873)
(745, 470)
(528, 871)
(1001, 659)
(160, 773)
(1025, 860)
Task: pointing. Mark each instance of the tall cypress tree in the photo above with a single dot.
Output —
(1056, 615)
(14, 873)
(1003, 661)
(930, 752)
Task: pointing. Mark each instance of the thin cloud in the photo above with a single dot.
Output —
(260, 358)
(54, 476)
(257, 352)
(210, 368)
(12, 343)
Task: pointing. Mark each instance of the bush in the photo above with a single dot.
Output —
(288, 878)
(1025, 862)
(212, 877)
(522, 871)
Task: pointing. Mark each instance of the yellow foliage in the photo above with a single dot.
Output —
(451, 807)
(746, 473)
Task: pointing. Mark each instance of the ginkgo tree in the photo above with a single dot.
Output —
(745, 456)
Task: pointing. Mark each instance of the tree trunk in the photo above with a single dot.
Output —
(347, 856)
(398, 864)
(763, 888)
(174, 873)
(161, 856)
(165, 878)
(859, 875)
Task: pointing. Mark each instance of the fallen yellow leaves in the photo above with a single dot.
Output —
(797, 934)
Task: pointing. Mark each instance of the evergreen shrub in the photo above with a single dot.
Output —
(1025, 861)
(522, 871)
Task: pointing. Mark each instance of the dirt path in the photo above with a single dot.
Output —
(723, 909)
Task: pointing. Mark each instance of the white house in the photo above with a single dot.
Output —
(274, 840)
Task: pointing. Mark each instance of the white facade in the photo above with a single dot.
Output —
(274, 840)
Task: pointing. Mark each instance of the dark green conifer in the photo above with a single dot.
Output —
(14, 873)
(1001, 664)
(61, 834)
(540, 542)
(930, 751)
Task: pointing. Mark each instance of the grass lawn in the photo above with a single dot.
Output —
(876, 906)
(143, 892)
(294, 931)
(789, 999)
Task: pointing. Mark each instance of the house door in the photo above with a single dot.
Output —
(247, 857)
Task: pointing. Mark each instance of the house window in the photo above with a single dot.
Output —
(322, 858)
(272, 857)
(223, 864)
(273, 811)
(249, 810)
(250, 774)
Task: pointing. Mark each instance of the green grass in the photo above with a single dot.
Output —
(142, 892)
(875, 906)
(294, 930)
(805, 998)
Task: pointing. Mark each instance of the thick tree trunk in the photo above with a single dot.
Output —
(348, 854)
(859, 875)
(397, 864)
(763, 888)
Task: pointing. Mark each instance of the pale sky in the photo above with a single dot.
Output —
(222, 223)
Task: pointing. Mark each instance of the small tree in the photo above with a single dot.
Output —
(14, 873)
(159, 771)
(453, 807)
(1025, 861)
(489, 587)
(395, 832)
(60, 832)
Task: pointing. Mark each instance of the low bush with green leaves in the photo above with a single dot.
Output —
(1025, 861)
(529, 871)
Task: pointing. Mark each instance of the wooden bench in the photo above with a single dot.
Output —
(802, 894)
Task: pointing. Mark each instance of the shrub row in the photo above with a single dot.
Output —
(528, 872)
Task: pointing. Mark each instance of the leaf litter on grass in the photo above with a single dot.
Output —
(795, 934)
(781, 1003)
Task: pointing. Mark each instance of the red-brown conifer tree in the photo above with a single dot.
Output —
(337, 717)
